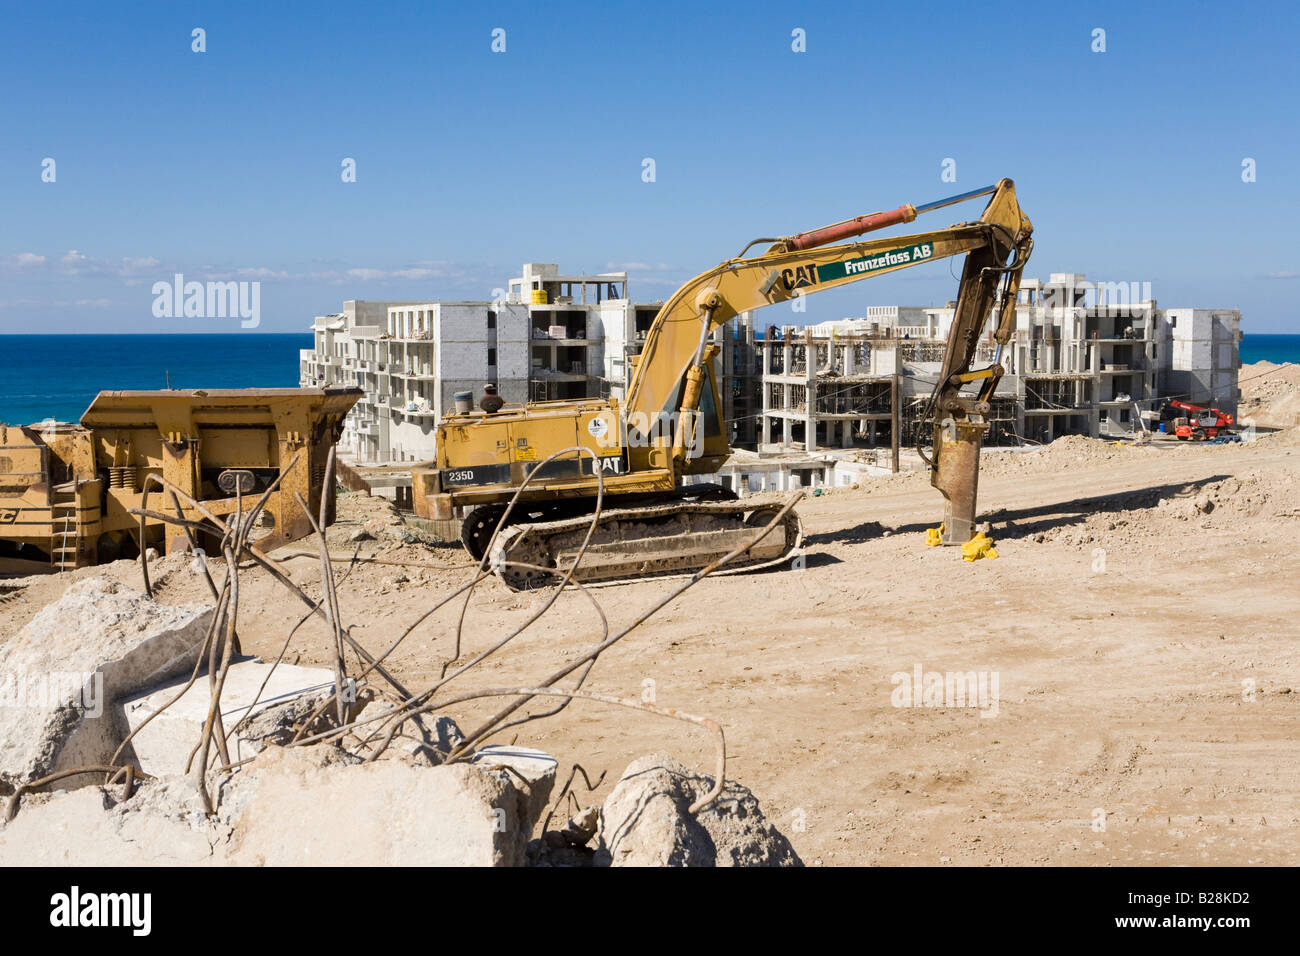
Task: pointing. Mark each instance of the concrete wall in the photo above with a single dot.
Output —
(613, 325)
(365, 312)
(1203, 350)
(409, 439)
(461, 335)
(512, 344)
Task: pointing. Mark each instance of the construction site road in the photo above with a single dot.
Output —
(1144, 671)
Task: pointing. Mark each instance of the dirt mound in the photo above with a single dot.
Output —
(1270, 393)
(1135, 520)
(1068, 451)
(359, 515)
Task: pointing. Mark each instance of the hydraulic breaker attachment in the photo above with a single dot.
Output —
(956, 474)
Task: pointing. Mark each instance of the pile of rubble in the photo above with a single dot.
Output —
(107, 678)
(369, 518)
(1134, 519)
(1068, 451)
(1270, 394)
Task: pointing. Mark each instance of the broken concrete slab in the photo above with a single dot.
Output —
(298, 806)
(532, 773)
(163, 745)
(645, 822)
(161, 825)
(60, 675)
(287, 810)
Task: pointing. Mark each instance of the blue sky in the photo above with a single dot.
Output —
(226, 163)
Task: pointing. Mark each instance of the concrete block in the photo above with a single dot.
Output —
(164, 744)
(288, 810)
(645, 822)
(296, 806)
(291, 807)
(61, 675)
(163, 824)
(531, 772)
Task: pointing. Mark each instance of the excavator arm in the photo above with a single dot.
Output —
(670, 374)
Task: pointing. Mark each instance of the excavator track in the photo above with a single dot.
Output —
(481, 523)
(633, 544)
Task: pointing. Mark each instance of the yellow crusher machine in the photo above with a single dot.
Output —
(66, 490)
(670, 422)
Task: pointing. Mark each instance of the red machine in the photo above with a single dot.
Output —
(1202, 422)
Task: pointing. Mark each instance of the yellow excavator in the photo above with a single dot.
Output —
(670, 424)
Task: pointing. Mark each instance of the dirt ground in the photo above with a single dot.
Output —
(1140, 622)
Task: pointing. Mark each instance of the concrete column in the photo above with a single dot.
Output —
(846, 434)
(810, 393)
(787, 430)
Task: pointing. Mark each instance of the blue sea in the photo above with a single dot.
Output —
(1268, 348)
(57, 376)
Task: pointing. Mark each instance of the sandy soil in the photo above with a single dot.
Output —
(1141, 622)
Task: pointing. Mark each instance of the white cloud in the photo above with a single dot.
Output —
(261, 272)
(371, 275)
(133, 271)
(55, 304)
(130, 265)
(638, 281)
(76, 263)
(636, 267)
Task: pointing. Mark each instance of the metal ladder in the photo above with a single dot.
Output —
(65, 539)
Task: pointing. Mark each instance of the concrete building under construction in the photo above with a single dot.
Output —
(1087, 358)
(546, 336)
